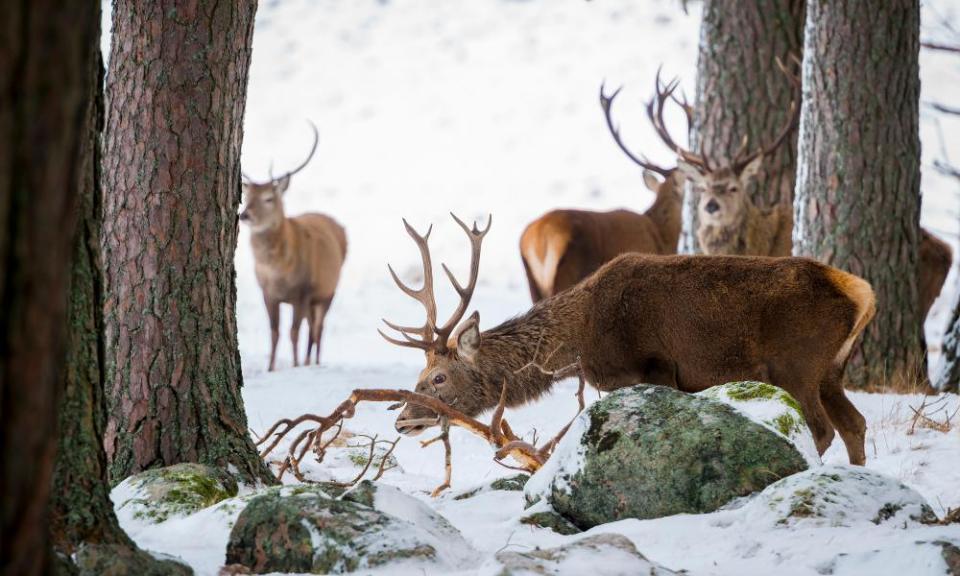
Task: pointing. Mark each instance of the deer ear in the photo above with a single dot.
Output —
(690, 172)
(650, 180)
(283, 184)
(750, 170)
(468, 338)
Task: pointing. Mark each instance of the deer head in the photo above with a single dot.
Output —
(264, 209)
(451, 350)
(722, 188)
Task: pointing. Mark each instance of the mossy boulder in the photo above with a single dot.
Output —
(838, 496)
(508, 483)
(123, 560)
(304, 529)
(601, 555)
(550, 520)
(178, 490)
(914, 557)
(772, 407)
(651, 451)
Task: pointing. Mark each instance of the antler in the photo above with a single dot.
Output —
(431, 337)
(741, 158)
(664, 92)
(606, 102)
(313, 149)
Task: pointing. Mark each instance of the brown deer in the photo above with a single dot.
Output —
(298, 259)
(688, 322)
(730, 223)
(563, 247)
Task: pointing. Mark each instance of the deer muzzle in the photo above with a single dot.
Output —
(414, 426)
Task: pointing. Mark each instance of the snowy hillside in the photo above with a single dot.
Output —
(491, 107)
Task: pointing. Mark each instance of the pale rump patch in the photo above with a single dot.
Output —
(542, 245)
(860, 292)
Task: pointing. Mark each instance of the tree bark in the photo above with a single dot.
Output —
(948, 380)
(858, 189)
(44, 91)
(741, 92)
(176, 93)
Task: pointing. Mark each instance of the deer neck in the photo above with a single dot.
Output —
(271, 244)
(665, 213)
(532, 351)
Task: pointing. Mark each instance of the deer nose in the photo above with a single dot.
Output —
(245, 215)
(712, 206)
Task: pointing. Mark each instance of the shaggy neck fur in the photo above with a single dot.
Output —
(665, 213)
(542, 336)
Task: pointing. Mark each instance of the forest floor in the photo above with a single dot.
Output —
(492, 107)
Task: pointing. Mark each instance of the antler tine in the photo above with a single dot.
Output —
(655, 107)
(792, 117)
(606, 102)
(424, 295)
(313, 149)
(465, 292)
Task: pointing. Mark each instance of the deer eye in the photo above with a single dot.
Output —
(439, 379)
(732, 189)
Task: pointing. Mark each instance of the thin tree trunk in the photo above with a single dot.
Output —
(176, 92)
(741, 92)
(44, 90)
(858, 189)
(948, 380)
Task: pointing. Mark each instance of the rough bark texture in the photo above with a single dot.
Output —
(858, 188)
(949, 377)
(45, 51)
(176, 92)
(741, 92)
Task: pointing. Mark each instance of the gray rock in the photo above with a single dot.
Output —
(304, 529)
(123, 560)
(178, 490)
(550, 520)
(833, 496)
(651, 451)
(600, 555)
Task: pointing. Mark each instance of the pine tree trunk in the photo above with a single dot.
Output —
(176, 92)
(44, 92)
(948, 380)
(858, 189)
(741, 92)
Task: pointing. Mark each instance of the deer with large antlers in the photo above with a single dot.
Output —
(298, 259)
(688, 322)
(563, 247)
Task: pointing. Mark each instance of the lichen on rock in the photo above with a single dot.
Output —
(156, 495)
(651, 451)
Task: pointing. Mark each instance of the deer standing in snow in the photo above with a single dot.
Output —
(298, 259)
(563, 247)
(688, 322)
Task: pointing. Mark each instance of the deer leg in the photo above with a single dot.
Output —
(818, 422)
(845, 416)
(273, 312)
(319, 312)
(298, 313)
(311, 318)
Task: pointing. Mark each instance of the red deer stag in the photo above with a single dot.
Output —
(730, 223)
(563, 247)
(298, 259)
(688, 322)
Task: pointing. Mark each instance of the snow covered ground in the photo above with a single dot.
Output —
(490, 106)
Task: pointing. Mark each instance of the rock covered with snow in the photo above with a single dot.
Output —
(305, 529)
(651, 451)
(838, 496)
(599, 555)
(772, 407)
(155, 495)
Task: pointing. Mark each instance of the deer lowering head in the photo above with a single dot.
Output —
(264, 210)
(449, 360)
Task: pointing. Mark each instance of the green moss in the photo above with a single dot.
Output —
(552, 521)
(180, 489)
(752, 390)
(511, 483)
(786, 424)
(803, 504)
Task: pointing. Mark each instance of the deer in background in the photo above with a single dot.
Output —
(297, 259)
(563, 247)
(688, 322)
(730, 223)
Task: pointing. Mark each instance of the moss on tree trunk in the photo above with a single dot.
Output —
(858, 185)
(176, 93)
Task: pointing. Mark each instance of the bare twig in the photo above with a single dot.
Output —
(940, 47)
(447, 458)
(926, 415)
